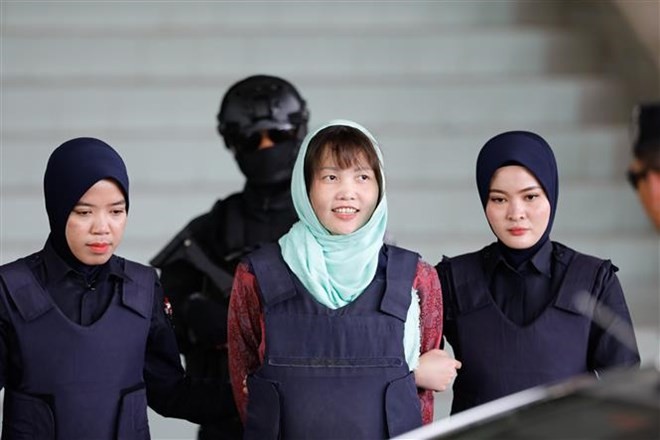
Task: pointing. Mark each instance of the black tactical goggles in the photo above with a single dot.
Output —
(252, 142)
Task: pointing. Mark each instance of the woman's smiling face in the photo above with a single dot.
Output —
(343, 199)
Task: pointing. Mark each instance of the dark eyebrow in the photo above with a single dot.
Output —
(529, 188)
(89, 205)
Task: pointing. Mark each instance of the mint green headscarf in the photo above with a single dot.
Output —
(335, 269)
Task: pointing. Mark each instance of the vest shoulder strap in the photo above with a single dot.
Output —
(25, 291)
(401, 272)
(469, 288)
(138, 291)
(575, 291)
(272, 273)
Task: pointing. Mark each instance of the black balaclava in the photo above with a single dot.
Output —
(73, 168)
(532, 152)
(270, 166)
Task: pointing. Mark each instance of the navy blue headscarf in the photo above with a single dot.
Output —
(532, 152)
(73, 168)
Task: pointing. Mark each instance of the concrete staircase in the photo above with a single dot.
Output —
(432, 80)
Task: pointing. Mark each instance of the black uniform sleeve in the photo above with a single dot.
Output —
(180, 280)
(5, 330)
(169, 391)
(612, 340)
(448, 299)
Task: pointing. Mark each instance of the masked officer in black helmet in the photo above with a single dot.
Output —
(262, 120)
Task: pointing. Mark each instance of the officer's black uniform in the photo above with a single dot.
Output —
(85, 343)
(525, 313)
(197, 266)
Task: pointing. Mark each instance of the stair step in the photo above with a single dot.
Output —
(120, 59)
(139, 18)
(555, 100)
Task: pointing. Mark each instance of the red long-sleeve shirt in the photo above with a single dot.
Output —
(246, 329)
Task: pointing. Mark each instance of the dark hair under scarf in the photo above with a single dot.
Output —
(532, 152)
(73, 168)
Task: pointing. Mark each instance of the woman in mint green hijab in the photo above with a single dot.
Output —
(328, 323)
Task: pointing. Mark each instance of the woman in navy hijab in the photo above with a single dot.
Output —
(85, 344)
(524, 310)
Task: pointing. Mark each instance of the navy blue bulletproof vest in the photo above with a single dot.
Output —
(78, 382)
(333, 374)
(498, 356)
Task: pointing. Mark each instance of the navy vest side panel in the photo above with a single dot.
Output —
(331, 374)
(82, 381)
(498, 356)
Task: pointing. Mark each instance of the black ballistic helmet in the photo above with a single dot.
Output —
(259, 103)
